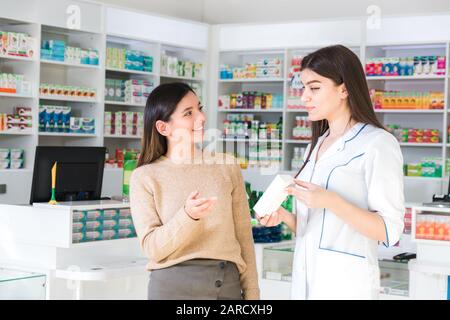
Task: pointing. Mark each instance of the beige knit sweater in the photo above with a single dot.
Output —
(168, 236)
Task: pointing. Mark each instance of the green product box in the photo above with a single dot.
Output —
(128, 167)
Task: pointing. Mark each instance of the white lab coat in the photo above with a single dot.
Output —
(332, 260)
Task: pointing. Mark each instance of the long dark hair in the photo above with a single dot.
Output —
(341, 65)
(161, 104)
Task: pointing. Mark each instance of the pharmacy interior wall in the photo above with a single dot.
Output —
(212, 42)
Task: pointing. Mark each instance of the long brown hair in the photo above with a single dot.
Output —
(161, 104)
(341, 65)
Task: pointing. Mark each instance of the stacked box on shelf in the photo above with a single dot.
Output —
(428, 167)
(407, 100)
(19, 121)
(269, 68)
(60, 119)
(56, 50)
(16, 44)
(406, 66)
(414, 135)
(14, 83)
(64, 91)
(53, 50)
(137, 91)
(245, 126)
(12, 158)
(121, 156)
(302, 129)
(106, 224)
(250, 100)
(118, 58)
(124, 123)
(433, 227)
(131, 91)
(263, 68)
(174, 66)
(54, 118)
(81, 56)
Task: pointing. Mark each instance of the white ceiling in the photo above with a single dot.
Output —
(245, 11)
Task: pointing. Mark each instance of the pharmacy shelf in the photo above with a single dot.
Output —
(16, 133)
(296, 111)
(15, 95)
(68, 99)
(70, 64)
(432, 242)
(252, 110)
(132, 72)
(100, 243)
(410, 178)
(252, 80)
(412, 144)
(182, 78)
(17, 58)
(64, 134)
(121, 136)
(297, 141)
(128, 104)
(426, 77)
(250, 140)
(113, 169)
(408, 111)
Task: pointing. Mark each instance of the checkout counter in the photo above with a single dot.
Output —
(80, 250)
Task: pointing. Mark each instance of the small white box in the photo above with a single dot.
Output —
(274, 195)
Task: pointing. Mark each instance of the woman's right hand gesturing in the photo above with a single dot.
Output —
(197, 208)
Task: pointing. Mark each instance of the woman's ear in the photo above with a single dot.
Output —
(162, 127)
(343, 91)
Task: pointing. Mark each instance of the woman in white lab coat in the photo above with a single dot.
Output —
(349, 190)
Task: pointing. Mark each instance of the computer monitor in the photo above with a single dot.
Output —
(79, 173)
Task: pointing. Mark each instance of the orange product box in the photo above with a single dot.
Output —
(447, 230)
(439, 229)
(429, 227)
(420, 227)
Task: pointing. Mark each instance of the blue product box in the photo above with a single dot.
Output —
(92, 236)
(79, 216)
(75, 125)
(93, 225)
(88, 125)
(94, 215)
(111, 214)
(65, 118)
(49, 118)
(109, 234)
(42, 114)
(57, 118)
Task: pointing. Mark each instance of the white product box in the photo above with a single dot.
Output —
(274, 195)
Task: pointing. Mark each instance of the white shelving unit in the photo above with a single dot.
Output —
(73, 74)
(277, 86)
(101, 26)
(29, 68)
(104, 26)
(241, 43)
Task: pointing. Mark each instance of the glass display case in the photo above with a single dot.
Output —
(277, 262)
(394, 276)
(21, 285)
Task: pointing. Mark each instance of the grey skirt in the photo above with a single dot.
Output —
(201, 279)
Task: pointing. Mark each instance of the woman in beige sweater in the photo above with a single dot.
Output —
(189, 208)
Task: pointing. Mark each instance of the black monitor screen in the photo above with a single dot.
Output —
(79, 173)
